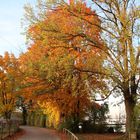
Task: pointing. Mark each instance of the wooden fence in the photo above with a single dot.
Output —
(69, 134)
(8, 128)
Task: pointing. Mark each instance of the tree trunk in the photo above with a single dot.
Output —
(24, 115)
(130, 117)
(44, 121)
(77, 116)
(7, 115)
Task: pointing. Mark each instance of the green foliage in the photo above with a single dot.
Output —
(89, 127)
(96, 122)
(71, 124)
(97, 113)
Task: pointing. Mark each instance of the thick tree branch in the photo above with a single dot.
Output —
(107, 95)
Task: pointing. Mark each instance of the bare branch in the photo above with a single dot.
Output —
(108, 94)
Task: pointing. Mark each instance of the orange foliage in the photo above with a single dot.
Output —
(9, 84)
(59, 46)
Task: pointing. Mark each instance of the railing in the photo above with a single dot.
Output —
(8, 128)
(69, 134)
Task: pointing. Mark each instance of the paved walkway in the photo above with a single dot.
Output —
(36, 133)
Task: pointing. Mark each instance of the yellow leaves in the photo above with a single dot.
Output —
(62, 102)
(52, 112)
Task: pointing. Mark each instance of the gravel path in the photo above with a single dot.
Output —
(36, 133)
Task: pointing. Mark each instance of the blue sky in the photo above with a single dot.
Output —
(11, 13)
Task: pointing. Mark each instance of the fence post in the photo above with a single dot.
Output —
(1, 131)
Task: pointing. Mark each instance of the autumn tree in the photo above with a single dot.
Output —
(9, 83)
(54, 84)
(55, 56)
(26, 100)
(120, 26)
